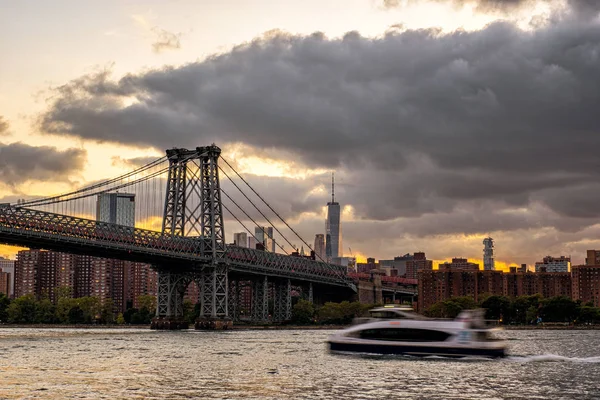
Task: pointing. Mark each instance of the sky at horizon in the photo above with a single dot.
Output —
(445, 121)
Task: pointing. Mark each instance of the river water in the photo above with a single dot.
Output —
(282, 364)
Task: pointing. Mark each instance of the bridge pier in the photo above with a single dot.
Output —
(260, 300)
(214, 288)
(282, 302)
(169, 304)
(233, 302)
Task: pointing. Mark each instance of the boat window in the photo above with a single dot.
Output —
(386, 315)
(404, 335)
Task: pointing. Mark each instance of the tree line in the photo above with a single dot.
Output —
(521, 310)
(68, 310)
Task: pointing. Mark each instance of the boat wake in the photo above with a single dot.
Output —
(553, 358)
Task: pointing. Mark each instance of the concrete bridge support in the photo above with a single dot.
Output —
(169, 305)
(260, 300)
(282, 302)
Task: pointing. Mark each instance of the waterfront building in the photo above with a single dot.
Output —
(240, 239)
(586, 282)
(116, 208)
(554, 264)
(441, 285)
(488, 254)
(8, 266)
(5, 287)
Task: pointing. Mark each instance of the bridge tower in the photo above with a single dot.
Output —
(193, 209)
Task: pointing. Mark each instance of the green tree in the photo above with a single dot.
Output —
(22, 310)
(45, 312)
(497, 307)
(303, 312)
(558, 309)
(120, 319)
(107, 315)
(147, 301)
(76, 315)
(4, 303)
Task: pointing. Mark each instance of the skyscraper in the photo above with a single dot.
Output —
(488, 254)
(240, 239)
(320, 247)
(265, 237)
(333, 228)
(116, 208)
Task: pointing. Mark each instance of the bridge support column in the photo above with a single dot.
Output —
(233, 302)
(310, 293)
(283, 301)
(260, 300)
(213, 305)
(169, 304)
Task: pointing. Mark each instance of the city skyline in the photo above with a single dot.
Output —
(414, 174)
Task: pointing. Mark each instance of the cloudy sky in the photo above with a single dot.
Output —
(445, 121)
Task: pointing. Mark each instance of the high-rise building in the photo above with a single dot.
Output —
(554, 264)
(252, 243)
(488, 254)
(320, 247)
(333, 227)
(265, 237)
(26, 272)
(8, 266)
(586, 282)
(593, 257)
(419, 262)
(5, 286)
(116, 208)
(459, 264)
(240, 239)
(440, 285)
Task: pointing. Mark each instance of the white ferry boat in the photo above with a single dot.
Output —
(392, 330)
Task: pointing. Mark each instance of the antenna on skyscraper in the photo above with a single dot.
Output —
(332, 188)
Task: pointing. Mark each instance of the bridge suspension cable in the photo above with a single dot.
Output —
(257, 209)
(67, 196)
(273, 210)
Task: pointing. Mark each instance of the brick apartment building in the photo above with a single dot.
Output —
(40, 273)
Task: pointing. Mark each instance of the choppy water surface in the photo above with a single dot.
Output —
(71, 363)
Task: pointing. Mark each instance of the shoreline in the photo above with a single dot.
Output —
(279, 327)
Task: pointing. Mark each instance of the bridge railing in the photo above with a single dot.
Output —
(300, 267)
(33, 223)
(24, 225)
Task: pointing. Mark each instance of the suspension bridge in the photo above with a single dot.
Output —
(180, 232)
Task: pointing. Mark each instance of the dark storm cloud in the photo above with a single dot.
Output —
(133, 163)
(416, 122)
(20, 162)
(579, 7)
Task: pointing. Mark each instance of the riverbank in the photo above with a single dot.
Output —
(281, 327)
(124, 327)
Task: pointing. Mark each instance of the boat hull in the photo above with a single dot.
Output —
(418, 350)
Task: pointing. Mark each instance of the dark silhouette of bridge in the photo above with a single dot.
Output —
(190, 245)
